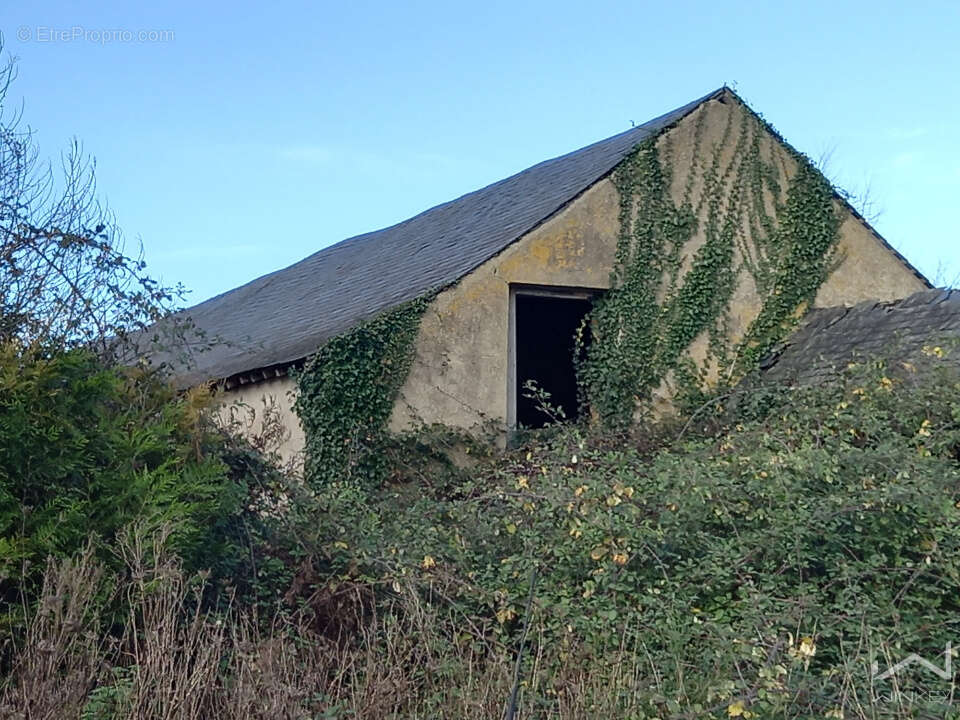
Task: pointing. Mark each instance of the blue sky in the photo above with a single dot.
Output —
(237, 138)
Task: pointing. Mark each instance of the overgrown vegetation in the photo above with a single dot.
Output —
(753, 566)
(88, 449)
(85, 449)
(347, 390)
(755, 219)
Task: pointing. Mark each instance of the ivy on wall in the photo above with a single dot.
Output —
(347, 392)
(752, 216)
(807, 234)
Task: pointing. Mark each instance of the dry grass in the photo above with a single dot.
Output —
(174, 660)
(60, 659)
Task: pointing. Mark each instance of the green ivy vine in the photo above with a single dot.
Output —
(662, 300)
(347, 392)
(807, 234)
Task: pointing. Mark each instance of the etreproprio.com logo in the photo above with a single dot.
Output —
(96, 36)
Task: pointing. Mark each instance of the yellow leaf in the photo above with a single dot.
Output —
(428, 562)
(735, 709)
(623, 490)
(620, 559)
(523, 482)
(580, 490)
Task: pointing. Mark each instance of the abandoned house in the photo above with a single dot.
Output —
(704, 216)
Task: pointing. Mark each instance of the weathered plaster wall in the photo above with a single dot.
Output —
(263, 412)
(868, 270)
(459, 374)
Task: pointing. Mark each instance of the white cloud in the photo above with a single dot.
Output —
(906, 159)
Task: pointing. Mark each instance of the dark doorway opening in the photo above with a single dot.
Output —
(546, 327)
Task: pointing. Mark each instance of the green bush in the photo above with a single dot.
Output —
(86, 451)
(761, 564)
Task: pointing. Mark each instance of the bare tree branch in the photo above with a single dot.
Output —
(65, 276)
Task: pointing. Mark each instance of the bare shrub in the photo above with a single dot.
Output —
(171, 644)
(62, 654)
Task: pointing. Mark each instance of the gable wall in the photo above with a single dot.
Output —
(460, 372)
(865, 269)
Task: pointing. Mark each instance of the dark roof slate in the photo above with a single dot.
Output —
(287, 315)
(831, 338)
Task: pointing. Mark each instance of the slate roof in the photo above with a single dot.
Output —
(287, 315)
(280, 318)
(831, 338)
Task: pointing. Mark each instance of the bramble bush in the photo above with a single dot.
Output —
(759, 567)
(754, 564)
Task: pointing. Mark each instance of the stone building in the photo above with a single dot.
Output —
(516, 266)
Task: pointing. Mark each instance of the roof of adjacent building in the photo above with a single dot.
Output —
(285, 316)
(832, 338)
